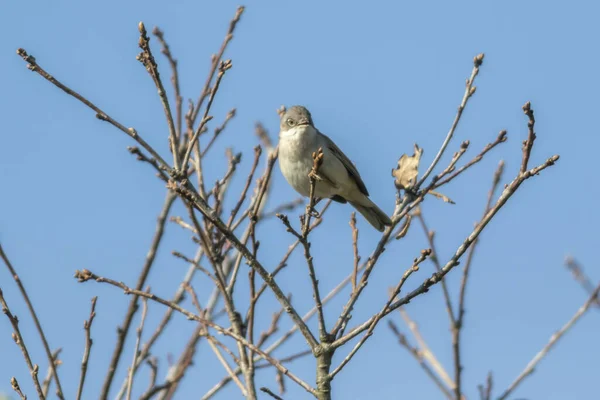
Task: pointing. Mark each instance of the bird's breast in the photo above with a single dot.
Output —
(295, 159)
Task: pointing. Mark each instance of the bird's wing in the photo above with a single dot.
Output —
(352, 171)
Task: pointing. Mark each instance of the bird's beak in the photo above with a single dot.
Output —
(303, 121)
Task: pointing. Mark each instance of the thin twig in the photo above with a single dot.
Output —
(33, 368)
(438, 267)
(153, 364)
(238, 205)
(85, 275)
(280, 382)
(273, 328)
(485, 393)
(144, 158)
(48, 379)
(528, 144)
(179, 221)
(136, 349)
(233, 315)
(553, 340)
(238, 371)
(354, 249)
(256, 205)
(268, 391)
(580, 276)
(382, 313)
(313, 177)
(124, 329)
(425, 350)
(15, 385)
(174, 78)
(459, 322)
(218, 131)
(38, 325)
(227, 367)
(147, 59)
(453, 262)
(283, 263)
(215, 62)
(311, 269)
(417, 354)
(223, 66)
(469, 91)
(455, 157)
(101, 115)
(132, 308)
(501, 138)
(201, 205)
(87, 327)
(177, 298)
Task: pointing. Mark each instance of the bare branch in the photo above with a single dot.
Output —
(528, 144)
(153, 364)
(101, 115)
(123, 330)
(201, 205)
(223, 66)
(382, 313)
(147, 59)
(425, 351)
(238, 205)
(33, 368)
(38, 325)
(268, 391)
(354, 249)
(227, 367)
(283, 263)
(469, 91)
(453, 262)
(218, 131)
(485, 393)
(177, 298)
(580, 276)
(87, 327)
(416, 353)
(303, 238)
(15, 385)
(553, 340)
(48, 379)
(136, 349)
(438, 267)
(215, 62)
(174, 78)
(85, 275)
(142, 157)
(456, 328)
(501, 138)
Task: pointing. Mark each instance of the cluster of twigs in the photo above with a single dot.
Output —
(222, 246)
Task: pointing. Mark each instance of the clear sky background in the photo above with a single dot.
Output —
(377, 77)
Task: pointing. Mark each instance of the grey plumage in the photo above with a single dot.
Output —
(298, 139)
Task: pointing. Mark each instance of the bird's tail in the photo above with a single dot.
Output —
(374, 215)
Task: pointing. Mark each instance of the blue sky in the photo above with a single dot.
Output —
(377, 79)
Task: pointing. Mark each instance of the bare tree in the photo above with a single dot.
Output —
(226, 238)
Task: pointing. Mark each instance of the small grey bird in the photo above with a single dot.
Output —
(340, 181)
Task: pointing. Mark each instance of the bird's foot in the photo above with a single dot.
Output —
(312, 211)
(316, 177)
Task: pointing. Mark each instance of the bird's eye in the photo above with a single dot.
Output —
(291, 122)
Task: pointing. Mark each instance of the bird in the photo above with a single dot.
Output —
(339, 179)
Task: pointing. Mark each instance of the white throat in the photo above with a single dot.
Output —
(298, 131)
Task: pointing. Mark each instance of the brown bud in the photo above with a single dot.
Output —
(478, 60)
